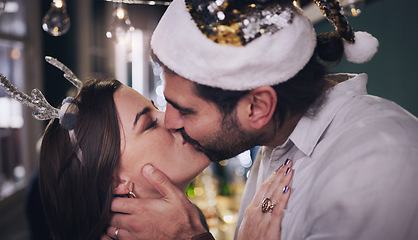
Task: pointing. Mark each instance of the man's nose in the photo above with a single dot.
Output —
(173, 120)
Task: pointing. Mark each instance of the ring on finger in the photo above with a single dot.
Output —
(267, 205)
(115, 234)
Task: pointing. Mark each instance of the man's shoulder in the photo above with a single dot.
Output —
(371, 116)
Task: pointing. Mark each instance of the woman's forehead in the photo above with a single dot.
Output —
(126, 95)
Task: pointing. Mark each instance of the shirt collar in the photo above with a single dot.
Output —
(309, 129)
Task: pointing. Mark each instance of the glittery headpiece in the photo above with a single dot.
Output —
(42, 110)
(332, 10)
(359, 47)
(239, 22)
(242, 44)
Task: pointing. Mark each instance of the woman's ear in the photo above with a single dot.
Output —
(263, 102)
(121, 187)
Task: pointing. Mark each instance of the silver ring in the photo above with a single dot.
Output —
(267, 205)
(115, 234)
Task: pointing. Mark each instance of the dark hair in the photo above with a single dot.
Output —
(76, 194)
(297, 94)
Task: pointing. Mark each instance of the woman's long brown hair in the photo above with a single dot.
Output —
(76, 194)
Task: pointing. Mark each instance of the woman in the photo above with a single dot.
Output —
(117, 130)
(97, 150)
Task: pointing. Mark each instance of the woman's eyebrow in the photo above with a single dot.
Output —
(138, 115)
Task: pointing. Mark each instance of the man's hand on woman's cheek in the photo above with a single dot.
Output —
(171, 217)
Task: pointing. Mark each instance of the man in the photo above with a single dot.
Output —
(244, 73)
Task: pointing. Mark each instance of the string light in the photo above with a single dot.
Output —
(121, 26)
(164, 3)
(56, 21)
(353, 7)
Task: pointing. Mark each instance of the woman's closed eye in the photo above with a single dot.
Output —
(151, 125)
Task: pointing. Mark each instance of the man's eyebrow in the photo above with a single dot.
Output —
(176, 106)
(138, 115)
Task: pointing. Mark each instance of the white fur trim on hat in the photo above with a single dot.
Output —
(363, 49)
(267, 60)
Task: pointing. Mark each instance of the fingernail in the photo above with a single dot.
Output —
(287, 171)
(285, 189)
(148, 169)
(287, 161)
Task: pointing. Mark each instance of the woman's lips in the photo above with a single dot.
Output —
(194, 145)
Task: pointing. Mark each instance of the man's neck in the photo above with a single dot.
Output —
(283, 133)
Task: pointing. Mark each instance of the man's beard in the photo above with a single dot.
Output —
(229, 141)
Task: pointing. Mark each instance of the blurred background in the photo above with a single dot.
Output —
(101, 38)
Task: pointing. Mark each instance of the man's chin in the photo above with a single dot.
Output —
(216, 156)
(212, 157)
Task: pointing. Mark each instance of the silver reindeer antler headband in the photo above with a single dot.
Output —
(42, 110)
(68, 74)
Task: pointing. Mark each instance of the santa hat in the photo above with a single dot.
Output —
(241, 45)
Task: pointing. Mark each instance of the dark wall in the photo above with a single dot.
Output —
(63, 48)
(393, 70)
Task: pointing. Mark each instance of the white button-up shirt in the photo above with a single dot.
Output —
(355, 169)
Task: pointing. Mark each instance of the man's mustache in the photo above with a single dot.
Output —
(196, 145)
(188, 139)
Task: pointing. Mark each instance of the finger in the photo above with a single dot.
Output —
(159, 181)
(280, 182)
(263, 187)
(269, 223)
(125, 221)
(115, 220)
(105, 237)
(264, 191)
(277, 213)
(124, 205)
(281, 204)
(263, 223)
(121, 233)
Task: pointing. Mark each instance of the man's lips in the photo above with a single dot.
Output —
(196, 145)
(189, 140)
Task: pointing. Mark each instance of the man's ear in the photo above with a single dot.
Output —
(263, 102)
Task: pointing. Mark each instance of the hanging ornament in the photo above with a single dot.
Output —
(353, 7)
(121, 27)
(56, 21)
